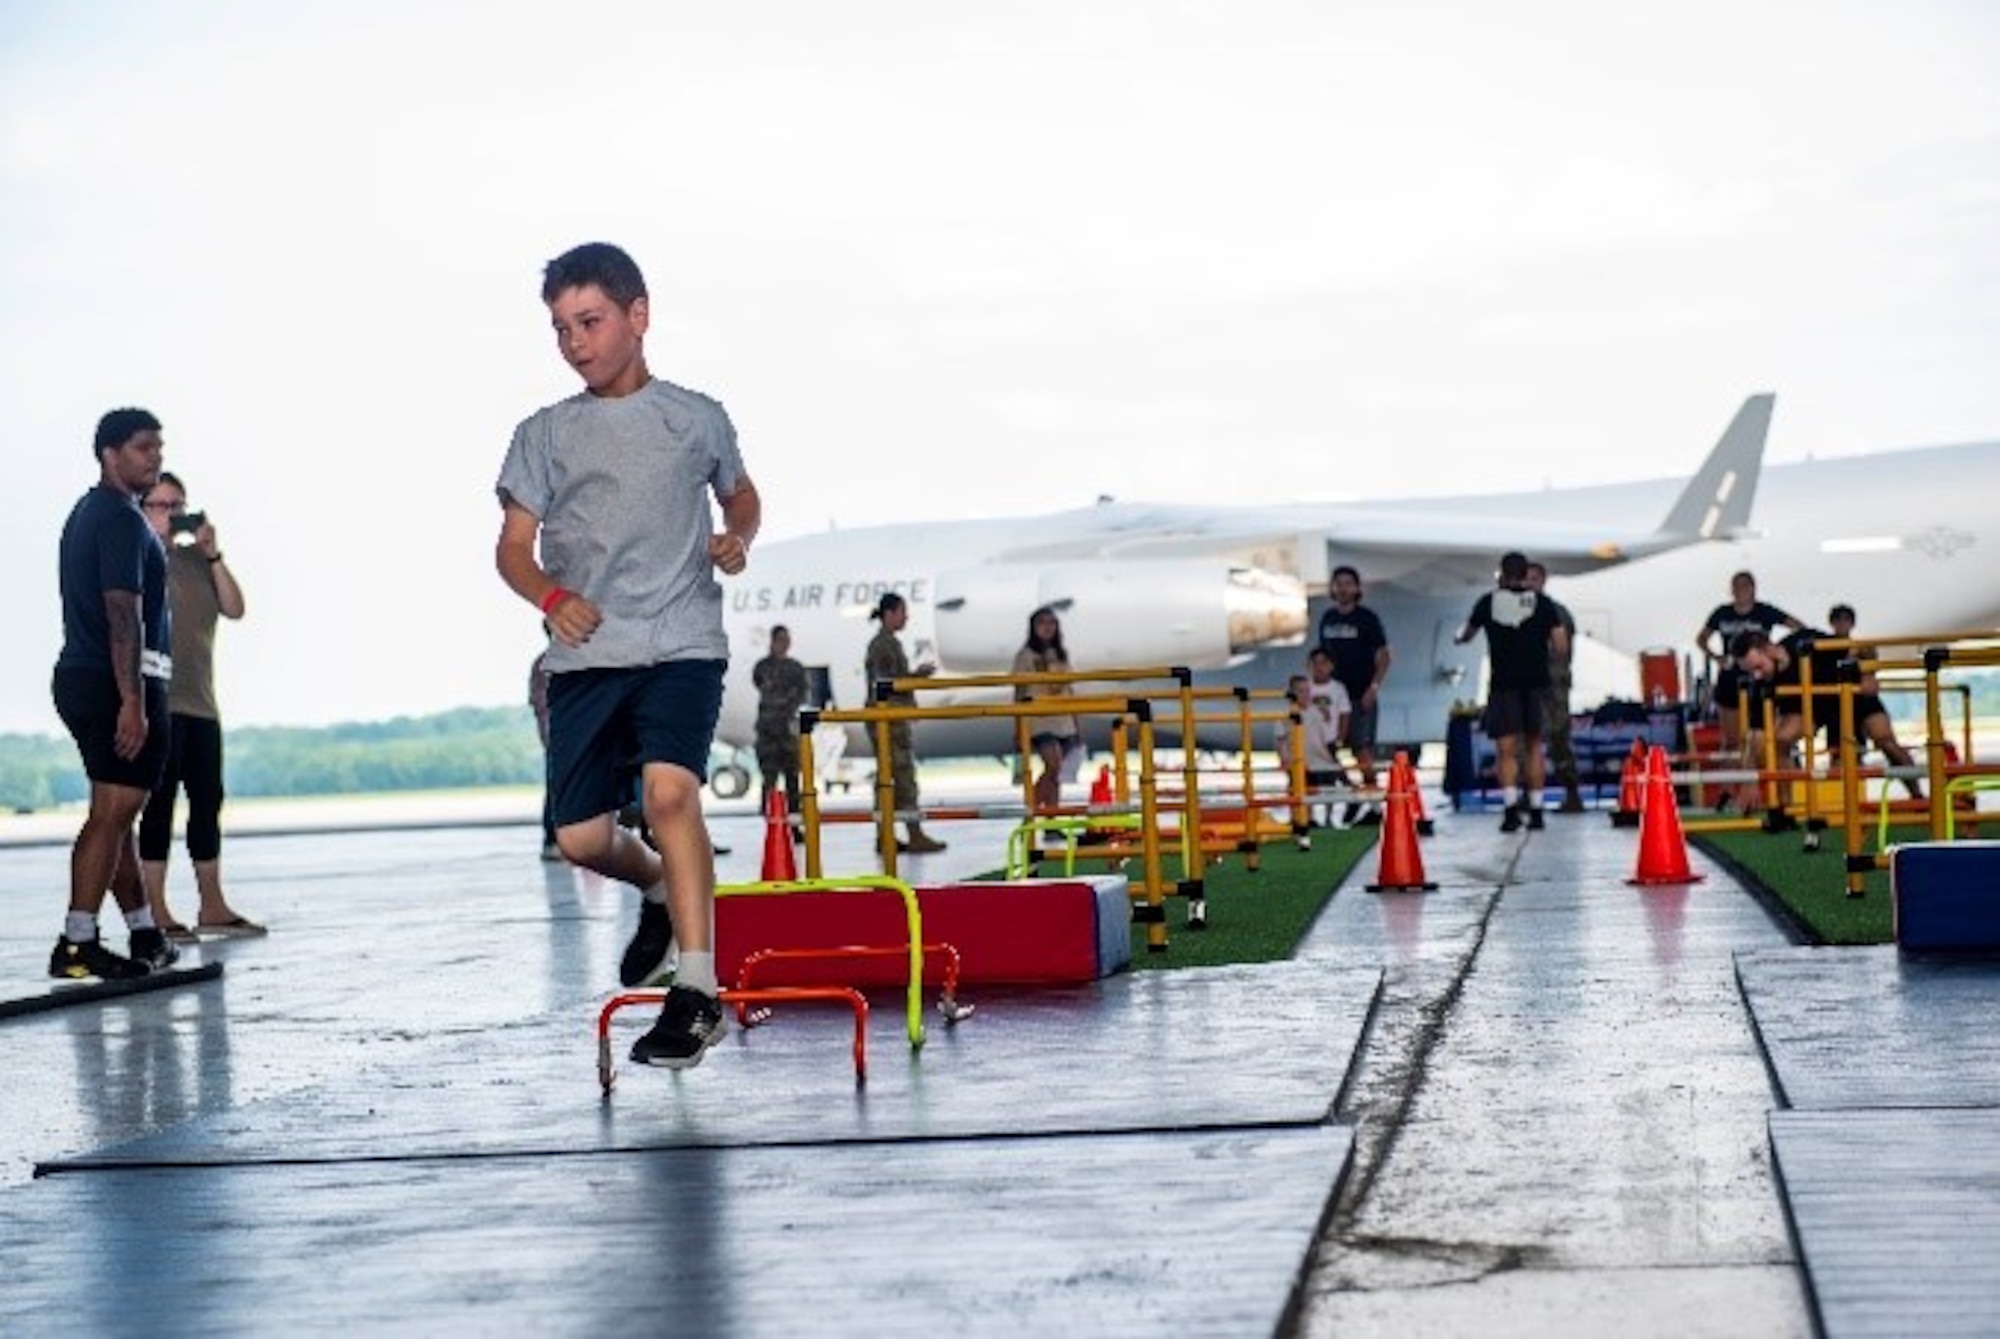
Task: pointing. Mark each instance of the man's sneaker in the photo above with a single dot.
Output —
(1511, 820)
(922, 843)
(77, 962)
(690, 1023)
(152, 947)
(1535, 823)
(1371, 819)
(651, 951)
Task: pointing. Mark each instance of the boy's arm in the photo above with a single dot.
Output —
(742, 514)
(570, 616)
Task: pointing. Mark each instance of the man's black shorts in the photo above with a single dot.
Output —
(1728, 688)
(1512, 711)
(88, 702)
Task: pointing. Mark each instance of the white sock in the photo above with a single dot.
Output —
(657, 893)
(1510, 796)
(80, 927)
(142, 919)
(697, 972)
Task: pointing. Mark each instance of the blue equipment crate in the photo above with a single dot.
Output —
(1946, 895)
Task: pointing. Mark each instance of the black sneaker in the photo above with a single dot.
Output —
(1371, 819)
(1535, 823)
(1511, 821)
(152, 947)
(690, 1023)
(77, 962)
(652, 948)
(1349, 814)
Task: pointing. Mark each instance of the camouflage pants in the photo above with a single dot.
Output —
(777, 751)
(902, 763)
(1555, 730)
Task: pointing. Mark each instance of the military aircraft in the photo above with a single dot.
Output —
(1233, 593)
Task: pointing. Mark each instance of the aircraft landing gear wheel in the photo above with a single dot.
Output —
(730, 781)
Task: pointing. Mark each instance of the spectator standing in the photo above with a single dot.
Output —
(110, 689)
(1351, 633)
(885, 660)
(782, 689)
(1522, 633)
(1555, 703)
(1049, 736)
(1326, 711)
(201, 591)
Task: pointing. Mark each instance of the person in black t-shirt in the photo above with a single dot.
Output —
(1769, 669)
(1353, 635)
(1522, 633)
(1744, 613)
(1871, 717)
(110, 689)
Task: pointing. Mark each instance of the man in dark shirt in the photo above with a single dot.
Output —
(110, 688)
(1522, 634)
(1773, 672)
(1354, 637)
(1555, 699)
(1871, 717)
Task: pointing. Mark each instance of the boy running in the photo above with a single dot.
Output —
(612, 486)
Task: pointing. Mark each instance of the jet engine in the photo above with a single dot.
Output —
(1201, 613)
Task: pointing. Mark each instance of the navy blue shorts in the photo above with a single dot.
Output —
(607, 724)
(88, 702)
(1513, 711)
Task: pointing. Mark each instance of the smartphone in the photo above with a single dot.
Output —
(187, 523)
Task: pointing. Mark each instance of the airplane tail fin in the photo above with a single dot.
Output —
(1716, 502)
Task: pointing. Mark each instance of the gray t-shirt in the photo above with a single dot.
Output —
(621, 487)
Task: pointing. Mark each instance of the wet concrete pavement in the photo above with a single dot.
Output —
(1557, 1119)
(1560, 1116)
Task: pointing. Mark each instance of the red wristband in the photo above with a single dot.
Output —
(554, 598)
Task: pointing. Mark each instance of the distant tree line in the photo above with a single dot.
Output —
(464, 747)
(449, 750)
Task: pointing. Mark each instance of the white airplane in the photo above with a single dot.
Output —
(1234, 593)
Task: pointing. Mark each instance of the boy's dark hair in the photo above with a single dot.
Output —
(1513, 566)
(1840, 611)
(118, 427)
(1345, 570)
(1743, 643)
(597, 263)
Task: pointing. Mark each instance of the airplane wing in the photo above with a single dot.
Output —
(1428, 548)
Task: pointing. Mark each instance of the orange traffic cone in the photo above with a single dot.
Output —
(1631, 788)
(1663, 856)
(779, 866)
(1403, 776)
(1402, 866)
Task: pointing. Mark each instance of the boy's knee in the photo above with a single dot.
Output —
(587, 843)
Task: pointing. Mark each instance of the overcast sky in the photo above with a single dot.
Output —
(951, 260)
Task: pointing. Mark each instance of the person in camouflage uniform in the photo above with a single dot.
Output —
(781, 692)
(886, 660)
